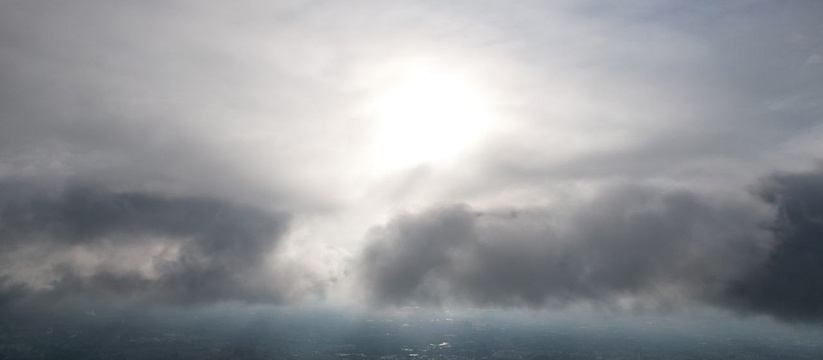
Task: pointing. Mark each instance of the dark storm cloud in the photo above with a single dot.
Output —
(632, 241)
(10, 292)
(790, 283)
(662, 248)
(219, 248)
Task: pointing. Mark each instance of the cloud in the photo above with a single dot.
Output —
(707, 94)
(140, 162)
(790, 283)
(638, 247)
(631, 241)
(243, 113)
(96, 244)
(691, 105)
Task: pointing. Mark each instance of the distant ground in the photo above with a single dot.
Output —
(261, 333)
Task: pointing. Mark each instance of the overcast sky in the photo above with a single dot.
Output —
(627, 155)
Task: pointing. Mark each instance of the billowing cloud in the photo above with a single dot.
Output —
(123, 172)
(632, 246)
(629, 241)
(95, 244)
(790, 283)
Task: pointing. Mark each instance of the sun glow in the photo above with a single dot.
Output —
(428, 117)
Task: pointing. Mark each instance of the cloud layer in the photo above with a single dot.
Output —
(789, 283)
(88, 243)
(630, 247)
(196, 153)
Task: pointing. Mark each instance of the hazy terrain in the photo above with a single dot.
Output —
(267, 333)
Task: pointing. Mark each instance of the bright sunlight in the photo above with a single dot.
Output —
(428, 117)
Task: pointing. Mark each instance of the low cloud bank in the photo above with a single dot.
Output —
(629, 247)
(789, 284)
(86, 243)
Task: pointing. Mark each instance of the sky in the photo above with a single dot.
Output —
(630, 156)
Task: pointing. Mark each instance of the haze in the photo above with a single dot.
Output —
(633, 158)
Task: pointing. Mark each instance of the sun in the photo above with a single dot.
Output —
(427, 117)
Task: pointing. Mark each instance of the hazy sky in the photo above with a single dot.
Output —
(627, 155)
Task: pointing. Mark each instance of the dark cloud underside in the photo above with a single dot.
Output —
(658, 247)
(213, 250)
(790, 283)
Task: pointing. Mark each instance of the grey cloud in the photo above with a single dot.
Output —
(790, 283)
(632, 241)
(215, 250)
(10, 292)
(661, 248)
(414, 249)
